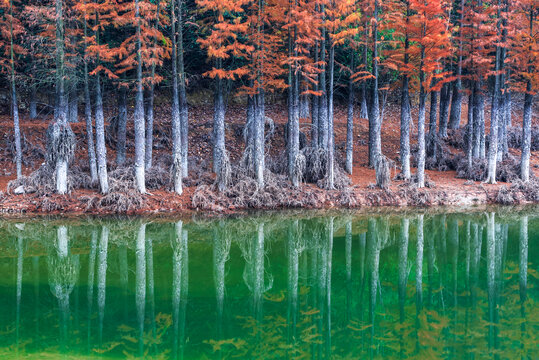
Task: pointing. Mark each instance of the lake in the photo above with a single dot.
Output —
(272, 285)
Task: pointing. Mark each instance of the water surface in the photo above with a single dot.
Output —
(272, 286)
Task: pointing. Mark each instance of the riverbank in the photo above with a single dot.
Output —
(445, 188)
(448, 191)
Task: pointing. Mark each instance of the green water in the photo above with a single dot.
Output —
(272, 286)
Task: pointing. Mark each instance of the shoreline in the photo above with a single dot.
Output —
(164, 203)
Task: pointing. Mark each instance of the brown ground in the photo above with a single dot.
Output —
(449, 190)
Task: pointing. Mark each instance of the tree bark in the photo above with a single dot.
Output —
(456, 105)
(88, 114)
(101, 147)
(331, 136)
(433, 115)
(61, 165)
(184, 108)
(405, 128)
(421, 126)
(494, 115)
(375, 143)
(526, 135)
(100, 140)
(33, 102)
(293, 121)
(149, 126)
(445, 97)
(122, 126)
(350, 121)
(139, 111)
(470, 130)
(177, 173)
(323, 131)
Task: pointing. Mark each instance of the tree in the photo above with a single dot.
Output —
(14, 29)
(60, 137)
(523, 57)
(431, 40)
(223, 26)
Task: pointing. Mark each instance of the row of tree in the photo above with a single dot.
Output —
(445, 50)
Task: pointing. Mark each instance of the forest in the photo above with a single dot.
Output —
(459, 76)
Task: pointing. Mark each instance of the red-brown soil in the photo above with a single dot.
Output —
(449, 190)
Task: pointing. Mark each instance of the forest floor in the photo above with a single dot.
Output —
(445, 189)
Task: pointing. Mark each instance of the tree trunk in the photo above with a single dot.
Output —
(184, 108)
(73, 115)
(456, 105)
(364, 108)
(421, 127)
(331, 136)
(177, 173)
(350, 122)
(470, 130)
(100, 140)
(405, 128)
(88, 117)
(33, 102)
(433, 135)
(149, 127)
(478, 117)
(315, 103)
(526, 135)
(122, 127)
(445, 97)
(139, 112)
(220, 159)
(293, 121)
(323, 101)
(259, 138)
(16, 127)
(494, 115)
(61, 165)
(375, 143)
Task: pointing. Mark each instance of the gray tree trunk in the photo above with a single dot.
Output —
(433, 117)
(73, 115)
(293, 118)
(350, 122)
(61, 165)
(219, 152)
(88, 117)
(494, 115)
(139, 112)
(456, 105)
(526, 136)
(101, 147)
(364, 114)
(405, 128)
(323, 130)
(470, 130)
(16, 126)
(177, 173)
(184, 108)
(260, 119)
(421, 127)
(331, 135)
(478, 117)
(445, 98)
(122, 126)
(315, 104)
(148, 155)
(33, 102)
(375, 142)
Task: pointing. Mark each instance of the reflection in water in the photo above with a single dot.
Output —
(421, 285)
